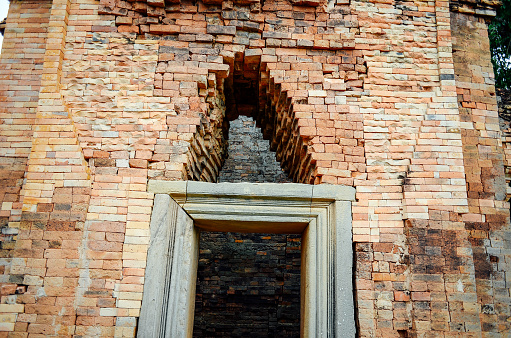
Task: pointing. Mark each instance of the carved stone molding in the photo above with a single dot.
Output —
(321, 213)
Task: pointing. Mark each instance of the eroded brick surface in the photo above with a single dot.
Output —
(487, 223)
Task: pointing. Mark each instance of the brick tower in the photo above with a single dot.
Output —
(103, 102)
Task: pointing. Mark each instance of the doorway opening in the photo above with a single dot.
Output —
(321, 214)
(248, 285)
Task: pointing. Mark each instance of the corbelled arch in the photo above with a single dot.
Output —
(282, 128)
(187, 103)
(271, 106)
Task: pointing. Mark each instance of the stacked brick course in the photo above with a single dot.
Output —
(487, 222)
(394, 98)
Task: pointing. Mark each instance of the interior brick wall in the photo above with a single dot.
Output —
(248, 284)
(249, 158)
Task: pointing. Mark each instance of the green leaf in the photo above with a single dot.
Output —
(499, 32)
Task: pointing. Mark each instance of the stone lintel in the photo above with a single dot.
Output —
(186, 190)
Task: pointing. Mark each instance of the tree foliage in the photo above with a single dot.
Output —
(500, 42)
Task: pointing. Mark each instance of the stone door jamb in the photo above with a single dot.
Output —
(321, 213)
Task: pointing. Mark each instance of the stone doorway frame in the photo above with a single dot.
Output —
(321, 213)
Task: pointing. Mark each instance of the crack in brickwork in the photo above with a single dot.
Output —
(504, 103)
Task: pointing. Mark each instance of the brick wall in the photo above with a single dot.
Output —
(21, 67)
(394, 99)
(248, 285)
(487, 222)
